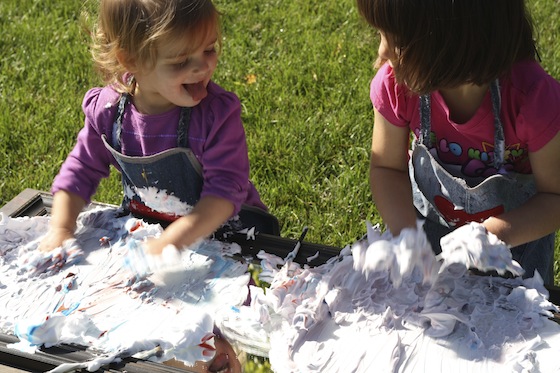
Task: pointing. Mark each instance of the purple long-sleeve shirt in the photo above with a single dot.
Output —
(216, 136)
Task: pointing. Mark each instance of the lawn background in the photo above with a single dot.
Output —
(300, 68)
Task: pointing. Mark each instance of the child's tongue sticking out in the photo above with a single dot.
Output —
(196, 90)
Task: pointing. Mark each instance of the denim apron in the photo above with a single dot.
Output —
(175, 172)
(449, 200)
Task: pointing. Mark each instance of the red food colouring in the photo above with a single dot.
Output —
(136, 225)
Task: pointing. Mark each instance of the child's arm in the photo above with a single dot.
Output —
(389, 180)
(541, 214)
(65, 210)
(206, 216)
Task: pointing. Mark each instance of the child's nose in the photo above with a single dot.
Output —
(385, 52)
(201, 65)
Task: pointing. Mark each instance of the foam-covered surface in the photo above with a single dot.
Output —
(387, 305)
(101, 292)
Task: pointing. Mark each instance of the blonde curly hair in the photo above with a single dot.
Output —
(135, 28)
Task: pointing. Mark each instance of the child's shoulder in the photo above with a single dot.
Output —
(529, 76)
(223, 96)
(384, 75)
(100, 104)
(100, 98)
(385, 81)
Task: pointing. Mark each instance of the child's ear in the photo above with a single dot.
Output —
(126, 60)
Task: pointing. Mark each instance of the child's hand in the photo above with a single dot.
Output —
(476, 248)
(55, 238)
(37, 262)
(148, 257)
(154, 246)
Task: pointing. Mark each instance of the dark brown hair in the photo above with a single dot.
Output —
(446, 43)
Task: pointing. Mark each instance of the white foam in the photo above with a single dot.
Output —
(160, 200)
(386, 305)
(102, 302)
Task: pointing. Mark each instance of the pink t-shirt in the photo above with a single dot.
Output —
(216, 137)
(530, 116)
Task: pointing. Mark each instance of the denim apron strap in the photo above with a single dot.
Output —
(183, 128)
(425, 120)
(117, 124)
(499, 140)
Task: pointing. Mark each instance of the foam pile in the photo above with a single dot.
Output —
(387, 305)
(100, 292)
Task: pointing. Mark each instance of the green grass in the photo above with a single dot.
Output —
(307, 114)
(302, 72)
